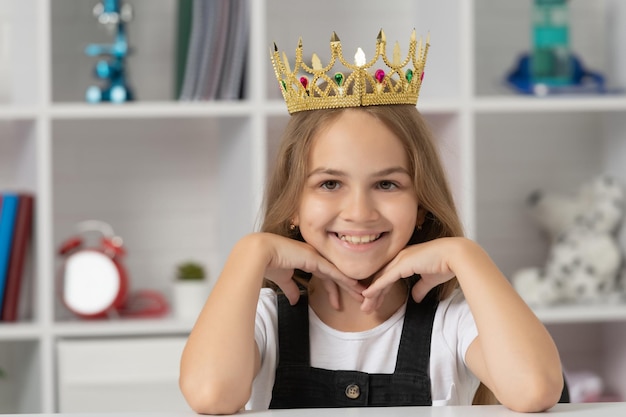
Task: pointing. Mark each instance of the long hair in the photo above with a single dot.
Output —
(436, 204)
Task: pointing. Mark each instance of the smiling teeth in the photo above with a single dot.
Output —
(359, 239)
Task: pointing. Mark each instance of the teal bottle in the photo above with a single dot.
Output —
(551, 60)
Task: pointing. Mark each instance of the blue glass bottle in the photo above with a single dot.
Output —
(551, 60)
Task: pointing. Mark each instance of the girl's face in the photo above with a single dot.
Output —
(358, 208)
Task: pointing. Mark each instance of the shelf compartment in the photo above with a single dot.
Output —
(20, 390)
(596, 347)
(18, 155)
(98, 375)
(151, 38)
(20, 46)
(557, 152)
(442, 76)
(517, 154)
(173, 189)
(503, 31)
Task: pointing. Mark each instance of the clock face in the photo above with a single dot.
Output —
(91, 282)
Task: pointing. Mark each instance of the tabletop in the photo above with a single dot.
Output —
(577, 410)
(616, 409)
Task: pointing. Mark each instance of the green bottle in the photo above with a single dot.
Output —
(551, 62)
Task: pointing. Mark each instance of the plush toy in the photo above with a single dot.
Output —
(584, 262)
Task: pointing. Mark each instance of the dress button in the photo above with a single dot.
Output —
(353, 391)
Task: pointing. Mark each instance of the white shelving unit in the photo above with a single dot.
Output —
(185, 180)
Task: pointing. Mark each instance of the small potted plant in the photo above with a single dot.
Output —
(190, 271)
(191, 289)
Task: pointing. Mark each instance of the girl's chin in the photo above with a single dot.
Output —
(365, 278)
(358, 271)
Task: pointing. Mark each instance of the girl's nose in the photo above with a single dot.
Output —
(360, 207)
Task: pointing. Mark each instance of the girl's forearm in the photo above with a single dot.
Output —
(220, 358)
(520, 357)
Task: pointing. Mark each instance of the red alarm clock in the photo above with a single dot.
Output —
(93, 281)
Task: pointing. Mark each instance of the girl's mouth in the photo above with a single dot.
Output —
(359, 239)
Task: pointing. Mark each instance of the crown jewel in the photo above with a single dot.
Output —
(315, 87)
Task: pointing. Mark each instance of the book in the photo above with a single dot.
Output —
(15, 273)
(215, 19)
(217, 49)
(194, 50)
(233, 69)
(7, 225)
(183, 34)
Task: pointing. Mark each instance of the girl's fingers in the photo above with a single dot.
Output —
(291, 291)
(368, 305)
(327, 272)
(375, 294)
(333, 293)
(290, 255)
(419, 291)
(381, 285)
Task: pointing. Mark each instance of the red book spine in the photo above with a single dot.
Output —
(21, 239)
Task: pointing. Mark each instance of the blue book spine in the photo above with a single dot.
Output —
(7, 225)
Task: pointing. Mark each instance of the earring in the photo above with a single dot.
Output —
(418, 227)
(292, 227)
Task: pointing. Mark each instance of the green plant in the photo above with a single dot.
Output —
(190, 271)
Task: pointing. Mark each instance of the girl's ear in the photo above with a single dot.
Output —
(421, 217)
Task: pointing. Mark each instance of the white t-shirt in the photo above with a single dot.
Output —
(374, 350)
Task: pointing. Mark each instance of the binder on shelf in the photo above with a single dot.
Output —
(7, 225)
(215, 23)
(193, 59)
(232, 72)
(182, 42)
(15, 273)
(217, 44)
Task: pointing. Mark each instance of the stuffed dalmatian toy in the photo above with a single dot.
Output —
(585, 259)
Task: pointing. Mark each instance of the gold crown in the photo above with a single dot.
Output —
(320, 90)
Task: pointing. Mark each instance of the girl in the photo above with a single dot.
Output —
(381, 300)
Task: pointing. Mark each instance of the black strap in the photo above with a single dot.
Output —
(417, 332)
(293, 331)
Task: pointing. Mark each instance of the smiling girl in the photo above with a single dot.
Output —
(376, 299)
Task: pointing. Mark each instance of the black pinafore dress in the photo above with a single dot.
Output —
(298, 385)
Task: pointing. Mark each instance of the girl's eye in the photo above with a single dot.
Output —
(387, 185)
(330, 185)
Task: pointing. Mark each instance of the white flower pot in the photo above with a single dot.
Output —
(188, 298)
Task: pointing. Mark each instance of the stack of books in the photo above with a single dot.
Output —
(16, 220)
(213, 44)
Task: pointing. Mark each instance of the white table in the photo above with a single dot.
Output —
(573, 410)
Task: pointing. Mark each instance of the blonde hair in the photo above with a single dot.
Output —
(436, 204)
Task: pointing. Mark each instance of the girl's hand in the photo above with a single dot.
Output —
(287, 255)
(428, 259)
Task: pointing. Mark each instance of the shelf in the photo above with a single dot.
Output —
(148, 110)
(122, 327)
(531, 104)
(14, 112)
(581, 313)
(426, 106)
(96, 328)
(19, 331)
